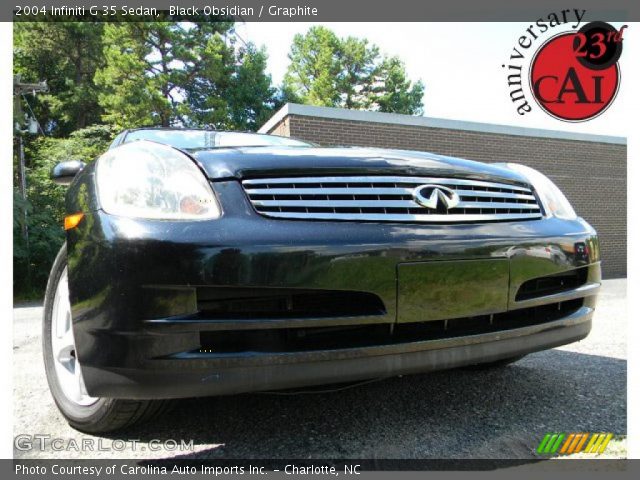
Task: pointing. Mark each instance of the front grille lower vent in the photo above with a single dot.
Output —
(552, 284)
(390, 199)
(251, 303)
(290, 340)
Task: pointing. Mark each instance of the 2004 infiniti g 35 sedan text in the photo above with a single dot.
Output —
(207, 263)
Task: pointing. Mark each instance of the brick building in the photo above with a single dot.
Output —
(590, 169)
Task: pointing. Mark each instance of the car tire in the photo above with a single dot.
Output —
(497, 364)
(64, 375)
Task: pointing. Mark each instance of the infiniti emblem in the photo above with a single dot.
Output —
(436, 197)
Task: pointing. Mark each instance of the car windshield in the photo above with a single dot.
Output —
(188, 139)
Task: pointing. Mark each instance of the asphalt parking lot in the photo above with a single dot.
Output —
(501, 413)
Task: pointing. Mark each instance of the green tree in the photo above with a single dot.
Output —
(66, 55)
(359, 65)
(394, 92)
(182, 74)
(33, 257)
(252, 98)
(314, 67)
(146, 67)
(350, 73)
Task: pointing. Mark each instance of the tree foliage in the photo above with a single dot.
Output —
(395, 93)
(350, 73)
(66, 55)
(313, 73)
(182, 74)
(253, 99)
(44, 207)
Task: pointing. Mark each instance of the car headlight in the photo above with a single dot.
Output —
(145, 179)
(553, 200)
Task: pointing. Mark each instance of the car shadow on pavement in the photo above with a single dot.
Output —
(497, 413)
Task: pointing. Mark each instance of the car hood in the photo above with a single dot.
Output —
(257, 162)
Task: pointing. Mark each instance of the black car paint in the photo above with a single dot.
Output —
(130, 279)
(256, 162)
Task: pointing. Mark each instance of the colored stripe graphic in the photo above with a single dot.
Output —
(556, 445)
(596, 444)
(593, 439)
(605, 442)
(576, 439)
(550, 443)
(599, 442)
(582, 441)
(569, 443)
(543, 443)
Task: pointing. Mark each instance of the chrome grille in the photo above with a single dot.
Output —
(389, 199)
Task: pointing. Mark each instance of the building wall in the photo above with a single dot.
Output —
(592, 175)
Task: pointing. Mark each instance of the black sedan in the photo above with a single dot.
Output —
(206, 263)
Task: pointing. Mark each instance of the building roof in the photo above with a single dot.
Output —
(430, 122)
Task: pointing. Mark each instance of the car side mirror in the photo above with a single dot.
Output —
(64, 172)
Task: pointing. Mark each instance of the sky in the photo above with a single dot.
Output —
(459, 63)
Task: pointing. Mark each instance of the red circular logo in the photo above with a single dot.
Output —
(575, 76)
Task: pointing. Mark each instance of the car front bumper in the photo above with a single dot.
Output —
(138, 288)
